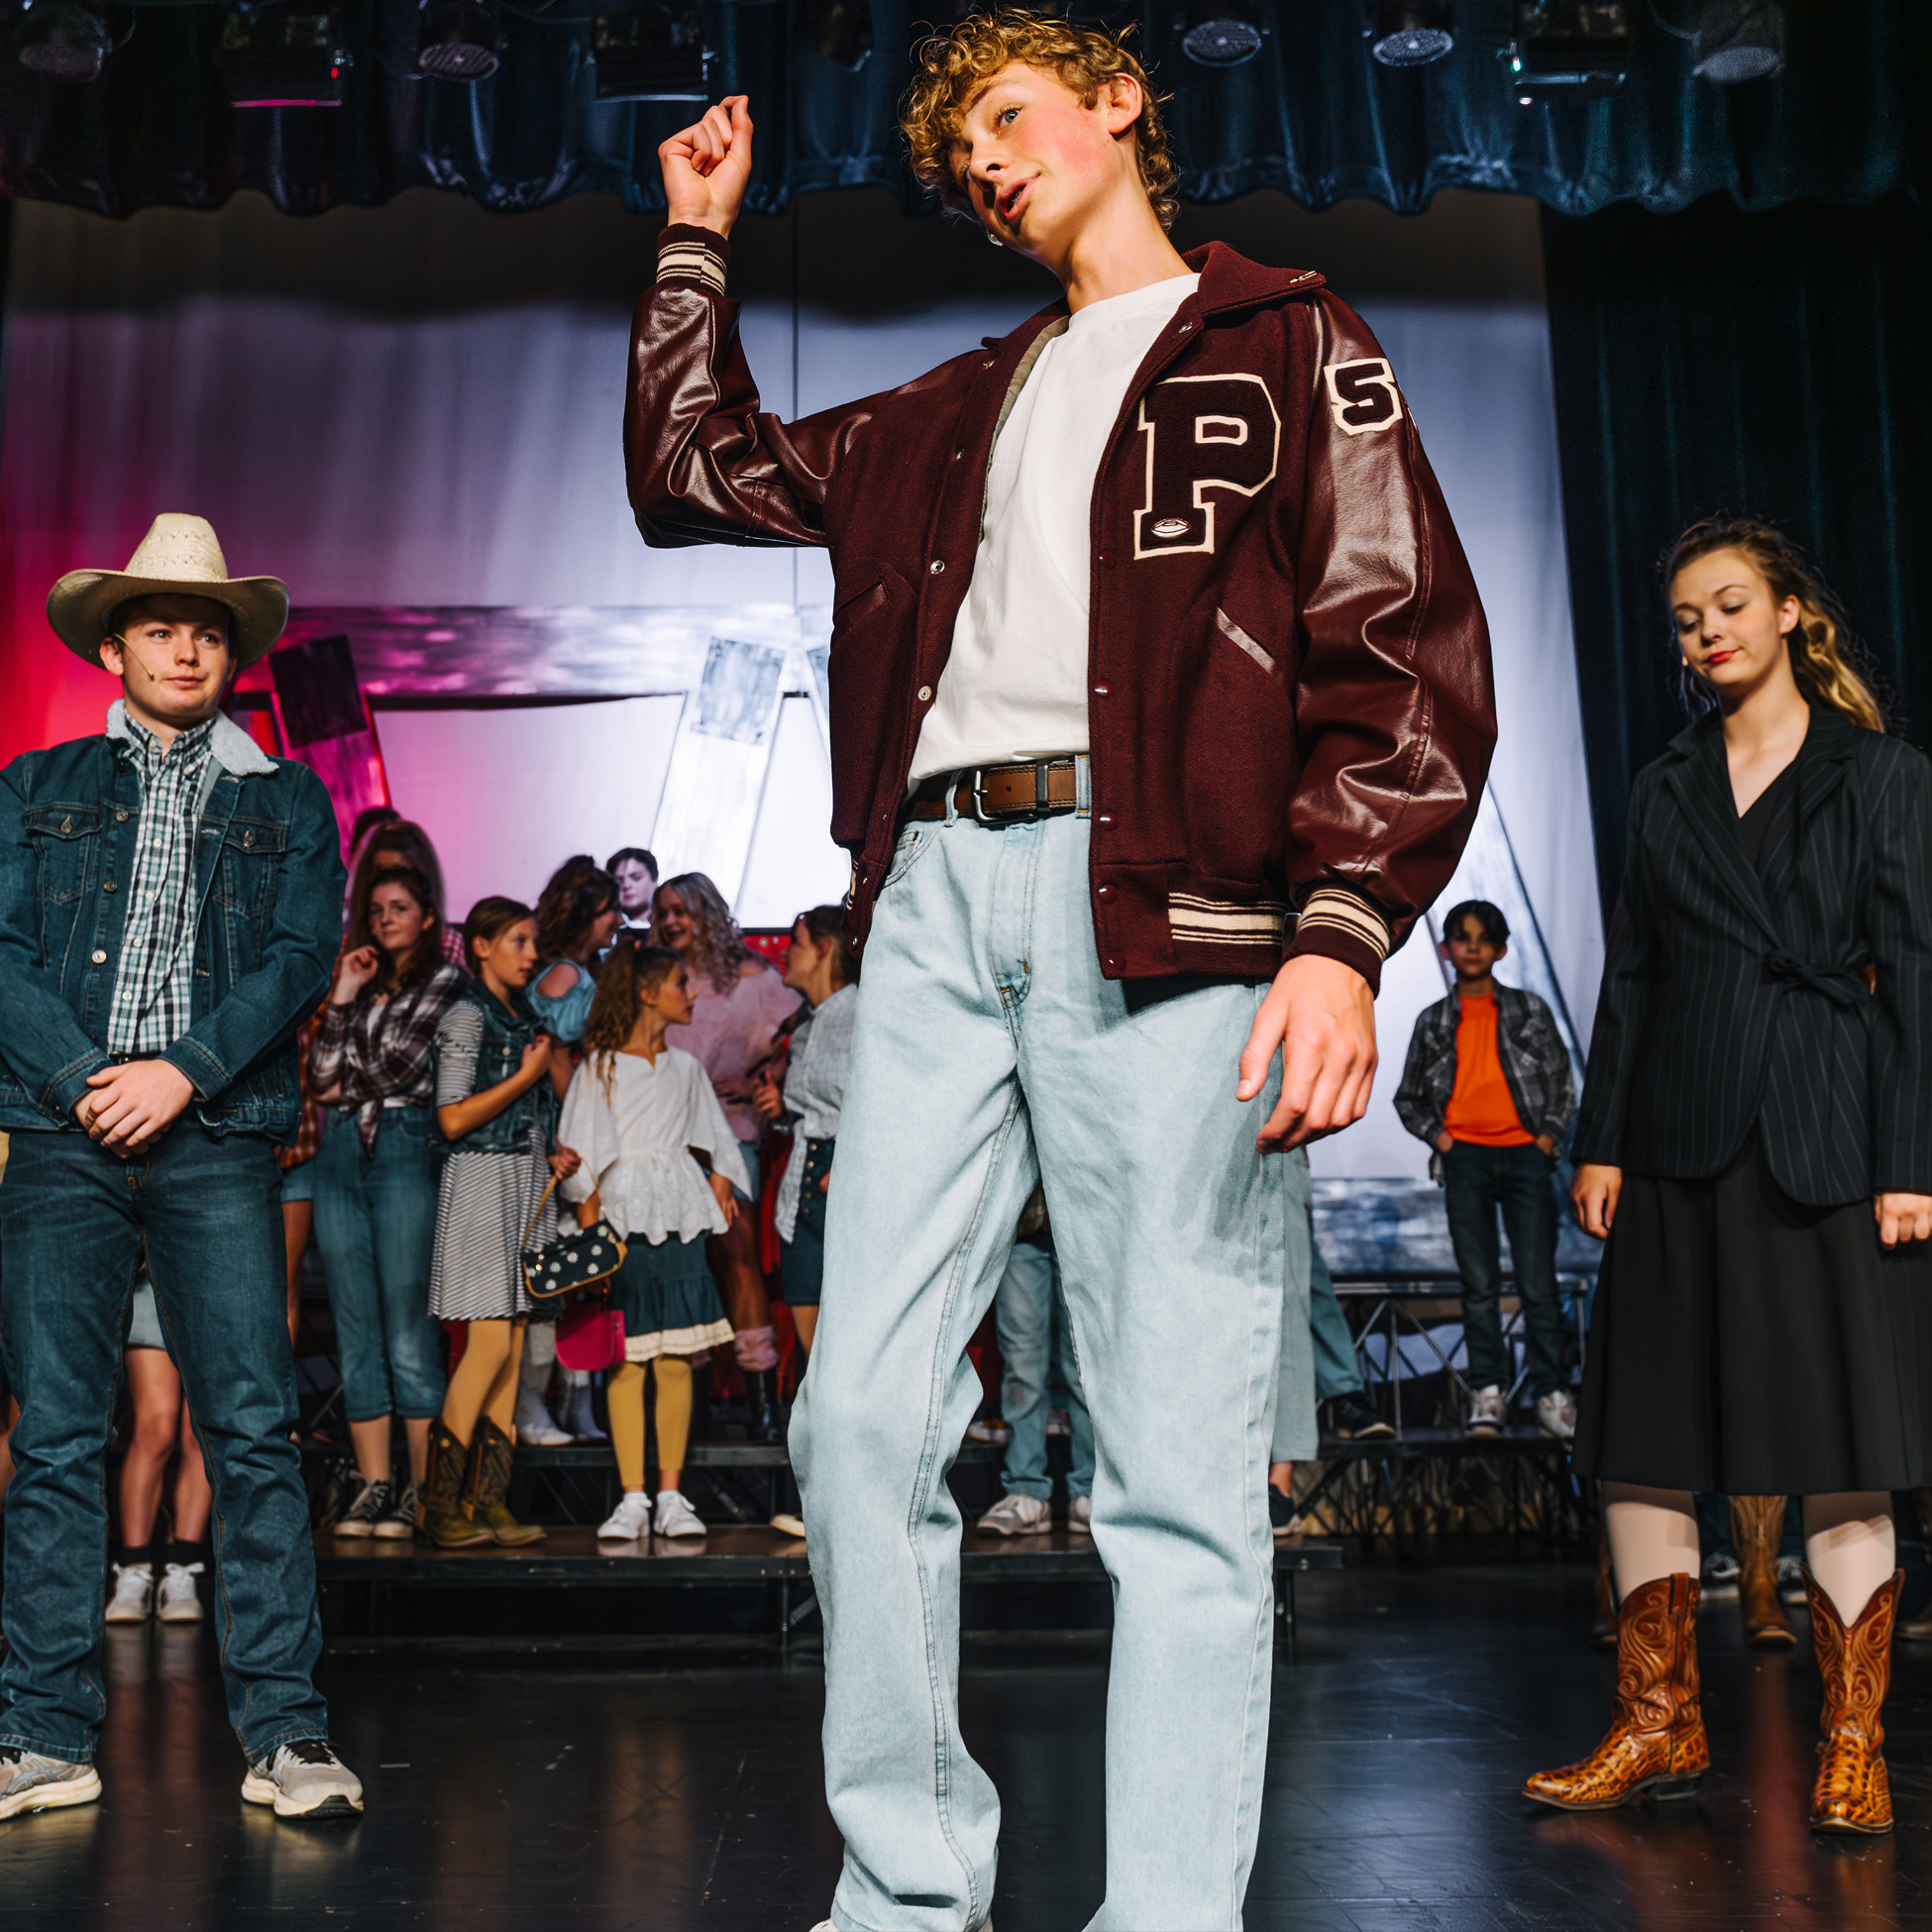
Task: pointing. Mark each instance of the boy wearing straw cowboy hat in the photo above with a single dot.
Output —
(169, 906)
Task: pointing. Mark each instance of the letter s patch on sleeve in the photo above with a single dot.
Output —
(1362, 394)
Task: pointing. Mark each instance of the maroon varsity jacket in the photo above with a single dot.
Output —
(1289, 702)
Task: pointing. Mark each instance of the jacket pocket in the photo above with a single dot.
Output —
(63, 838)
(251, 858)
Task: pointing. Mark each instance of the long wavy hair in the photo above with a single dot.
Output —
(411, 844)
(396, 976)
(630, 968)
(578, 891)
(1831, 665)
(717, 947)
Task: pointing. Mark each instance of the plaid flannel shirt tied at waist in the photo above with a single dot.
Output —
(375, 1050)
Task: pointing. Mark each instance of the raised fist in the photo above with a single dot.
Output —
(707, 166)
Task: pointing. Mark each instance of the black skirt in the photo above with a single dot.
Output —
(1747, 1344)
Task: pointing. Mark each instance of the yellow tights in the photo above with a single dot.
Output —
(624, 1396)
(484, 1380)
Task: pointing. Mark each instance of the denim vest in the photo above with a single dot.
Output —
(506, 1031)
(268, 896)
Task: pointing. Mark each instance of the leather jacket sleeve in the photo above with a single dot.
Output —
(1393, 701)
(704, 464)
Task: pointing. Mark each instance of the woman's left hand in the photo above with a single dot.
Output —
(1903, 1218)
(564, 1162)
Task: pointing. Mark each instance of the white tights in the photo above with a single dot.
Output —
(1848, 1541)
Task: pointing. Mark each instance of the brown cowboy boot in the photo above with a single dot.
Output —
(1656, 1744)
(444, 1522)
(490, 1456)
(1852, 1791)
(1757, 1526)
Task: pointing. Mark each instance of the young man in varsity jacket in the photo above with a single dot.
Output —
(171, 900)
(1160, 706)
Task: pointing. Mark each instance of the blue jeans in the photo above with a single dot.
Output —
(1295, 1438)
(1476, 1182)
(989, 1053)
(73, 1220)
(375, 1226)
(1031, 1312)
(1338, 1371)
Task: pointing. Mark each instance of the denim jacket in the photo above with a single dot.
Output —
(268, 883)
(506, 1031)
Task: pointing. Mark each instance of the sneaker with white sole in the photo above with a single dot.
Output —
(132, 1601)
(180, 1599)
(398, 1522)
(630, 1520)
(32, 1781)
(676, 1517)
(786, 1523)
(1488, 1412)
(369, 1506)
(1556, 1414)
(1080, 1513)
(304, 1779)
(1017, 1516)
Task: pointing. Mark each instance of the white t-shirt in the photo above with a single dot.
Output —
(1016, 682)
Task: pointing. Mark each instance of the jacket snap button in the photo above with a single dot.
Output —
(121, 816)
(1113, 962)
(101, 958)
(958, 455)
(1106, 560)
(248, 838)
(988, 364)
(1102, 691)
(937, 565)
(1104, 892)
(1106, 819)
(1185, 327)
(925, 694)
(107, 885)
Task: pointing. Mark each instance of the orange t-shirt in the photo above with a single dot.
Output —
(1481, 1110)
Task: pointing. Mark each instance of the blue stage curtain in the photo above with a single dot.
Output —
(1312, 114)
(1716, 360)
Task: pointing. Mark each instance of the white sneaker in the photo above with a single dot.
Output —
(132, 1601)
(992, 1431)
(536, 1427)
(1487, 1411)
(630, 1520)
(304, 1779)
(1080, 1513)
(1017, 1516)
(180, 1601)
(31, 1782)
(1556, 1414)
(676, 1517)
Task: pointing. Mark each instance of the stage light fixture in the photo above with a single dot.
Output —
(282, 59)
(1566, 49)
(842, 32)
(652, 54)
(460, 39)
(64, 39)
(1409, 32)
(1739, 41)
(1222, 33)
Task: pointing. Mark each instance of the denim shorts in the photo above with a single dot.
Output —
(749, 1148)
(298, 1182)
(143, 1321)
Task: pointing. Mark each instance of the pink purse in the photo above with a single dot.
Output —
(591, 1336)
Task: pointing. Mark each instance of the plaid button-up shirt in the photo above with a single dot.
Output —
(374, 1049)
(154, 983)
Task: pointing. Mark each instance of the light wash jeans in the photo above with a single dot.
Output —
(1035, 1340)
(989, 1051)
(1296, 1436)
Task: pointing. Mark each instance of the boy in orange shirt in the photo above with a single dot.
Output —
(1487, 1084)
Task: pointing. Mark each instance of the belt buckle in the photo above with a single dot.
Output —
(978, 797)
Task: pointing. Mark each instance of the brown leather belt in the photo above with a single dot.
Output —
(995, 793)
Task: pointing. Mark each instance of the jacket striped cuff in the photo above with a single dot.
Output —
(695, 257)
(1337, 924)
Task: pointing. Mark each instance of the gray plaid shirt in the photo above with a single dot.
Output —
(154, 983)
(1535, 1066)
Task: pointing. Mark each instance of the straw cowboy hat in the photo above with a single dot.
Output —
(180, 557)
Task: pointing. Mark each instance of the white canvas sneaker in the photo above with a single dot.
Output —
(132, 1601)
(1017, 1516)
(1556, 1414)
(676, 1517)
(1487, 1411)
(304, 1779)
(180, 1601)
(630, 1520)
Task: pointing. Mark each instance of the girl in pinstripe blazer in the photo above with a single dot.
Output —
(1756, 1145)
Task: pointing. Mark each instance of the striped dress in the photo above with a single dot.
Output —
(486, 1201)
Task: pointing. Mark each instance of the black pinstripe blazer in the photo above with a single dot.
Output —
(1732, 999)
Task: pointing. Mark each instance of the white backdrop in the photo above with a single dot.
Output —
(473, 458)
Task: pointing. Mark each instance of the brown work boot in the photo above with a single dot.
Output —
(1853, 1793)
(444, 1522)
(1756, 1528)
(490, 1457)
(1656, 1745)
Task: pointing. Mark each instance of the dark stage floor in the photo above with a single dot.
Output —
(573, 1790)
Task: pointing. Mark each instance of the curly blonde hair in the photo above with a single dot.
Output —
(951, 70)
(1827, 658)
(717, 947)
